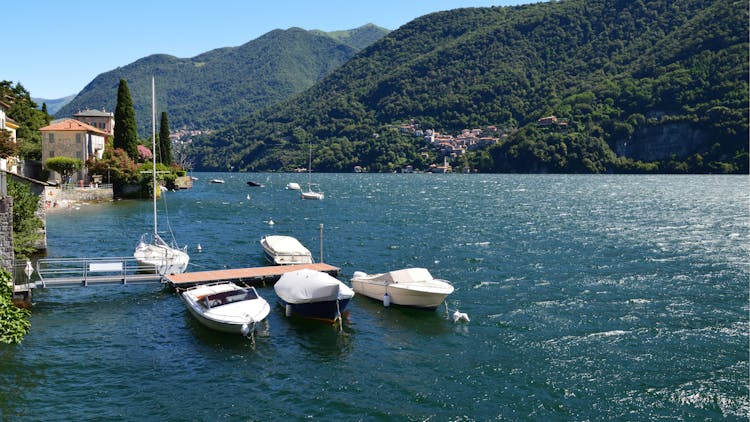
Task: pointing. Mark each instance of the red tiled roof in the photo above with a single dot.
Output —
(71, 125)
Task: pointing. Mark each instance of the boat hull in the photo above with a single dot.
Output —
(328, 310)
(313, 195)
(164, 259)
(402, 297)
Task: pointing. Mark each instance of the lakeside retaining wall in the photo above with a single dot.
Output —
(6, 233)
(55, 197)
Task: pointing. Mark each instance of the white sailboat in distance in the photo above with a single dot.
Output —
(310, 193)
(152, 250)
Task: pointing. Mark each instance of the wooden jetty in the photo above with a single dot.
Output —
(83, 272)
(257, 276)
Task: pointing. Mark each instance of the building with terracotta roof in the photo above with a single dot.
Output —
(74, 139)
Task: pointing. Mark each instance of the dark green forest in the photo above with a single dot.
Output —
(655, 86)
(216, 88)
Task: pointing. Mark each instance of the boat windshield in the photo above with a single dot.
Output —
(224, 298)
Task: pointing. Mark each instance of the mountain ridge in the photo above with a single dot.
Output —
(609, 69)
(211, 89)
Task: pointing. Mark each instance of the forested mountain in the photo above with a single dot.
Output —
(218, 87)
(641, 86)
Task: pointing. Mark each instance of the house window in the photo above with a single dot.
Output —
(51, 154)
(51, 138)
(79, 137)
(79, 155)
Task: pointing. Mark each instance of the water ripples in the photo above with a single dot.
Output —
(590, 297)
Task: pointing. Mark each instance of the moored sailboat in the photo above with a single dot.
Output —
(310, 193)
(152, 250)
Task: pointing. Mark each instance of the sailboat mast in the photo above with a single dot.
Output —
(153, 148)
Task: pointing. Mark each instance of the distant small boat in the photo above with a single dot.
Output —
(216, 181)
(226, 307)
(254, 184)
(310, 193)
(413, 287)
(293, 186)
(313, 294)
(285, 250)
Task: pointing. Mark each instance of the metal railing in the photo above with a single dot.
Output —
(60, 272)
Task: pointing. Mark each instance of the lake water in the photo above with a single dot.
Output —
(590, 298)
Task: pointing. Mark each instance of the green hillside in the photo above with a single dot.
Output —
(218, 87)
(656, 86)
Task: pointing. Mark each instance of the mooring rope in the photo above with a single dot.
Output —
(338, 318)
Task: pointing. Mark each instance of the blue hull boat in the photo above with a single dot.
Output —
(313, 294)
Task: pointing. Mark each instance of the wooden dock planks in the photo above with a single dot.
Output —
(250, 276)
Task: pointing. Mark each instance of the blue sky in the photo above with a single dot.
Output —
(54, 48)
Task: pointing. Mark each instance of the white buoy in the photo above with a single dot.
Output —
(248, 197)
(199, 247)
(245, 329)
(386, 300)
(270, 222)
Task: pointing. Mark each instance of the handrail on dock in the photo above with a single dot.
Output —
(55, 272)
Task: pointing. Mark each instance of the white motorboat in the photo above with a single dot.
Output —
(152, 250)
(285, 250)
(226, 307)
(407, 287)
(219, 181)
(293, 186)
(313, 294)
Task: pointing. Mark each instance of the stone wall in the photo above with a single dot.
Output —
(56, 197)
(6, 233)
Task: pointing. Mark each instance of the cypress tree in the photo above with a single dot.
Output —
(126, 134)
(165, 146)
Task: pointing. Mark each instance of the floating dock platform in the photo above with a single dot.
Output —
(257, 276)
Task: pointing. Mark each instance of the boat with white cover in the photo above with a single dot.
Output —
(313, 294)
(285, 250)
(226, 307)
(407, 287)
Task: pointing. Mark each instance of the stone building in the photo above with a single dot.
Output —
(74, 139)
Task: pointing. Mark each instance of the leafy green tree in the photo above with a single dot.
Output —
(126, 134)
(26, 224)
(115, 166)
(23, 110)
(65, 166)
(14, 321)
(165, 145)
(8, 148)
